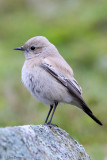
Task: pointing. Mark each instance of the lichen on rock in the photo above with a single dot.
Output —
(39, 142)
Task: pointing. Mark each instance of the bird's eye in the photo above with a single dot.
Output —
(32, 48)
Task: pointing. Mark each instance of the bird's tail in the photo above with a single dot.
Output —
(89, 112)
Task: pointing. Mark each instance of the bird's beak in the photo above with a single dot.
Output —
(19, 48)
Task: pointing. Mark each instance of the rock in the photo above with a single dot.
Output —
(39, 142)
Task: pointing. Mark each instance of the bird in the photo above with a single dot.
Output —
(49, 78)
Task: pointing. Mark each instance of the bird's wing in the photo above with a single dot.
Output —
(71, 85)
(71, 88)
(63, 70)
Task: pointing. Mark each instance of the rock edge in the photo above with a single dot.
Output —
(39, 142)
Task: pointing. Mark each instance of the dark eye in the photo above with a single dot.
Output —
(32, 48)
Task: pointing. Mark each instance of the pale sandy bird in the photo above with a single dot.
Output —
(49, 78)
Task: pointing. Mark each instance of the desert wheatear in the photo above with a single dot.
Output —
(49, 78)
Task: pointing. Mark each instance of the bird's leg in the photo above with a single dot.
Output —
(49, 123)
(51, 107)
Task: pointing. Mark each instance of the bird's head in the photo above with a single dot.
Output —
(34, 46)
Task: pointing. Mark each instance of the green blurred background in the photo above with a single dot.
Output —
(78, 28)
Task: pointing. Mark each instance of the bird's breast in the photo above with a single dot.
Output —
(35, 81)
(44, 86)
(30, 78)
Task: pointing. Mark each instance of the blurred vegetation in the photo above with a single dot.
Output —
(78, 28)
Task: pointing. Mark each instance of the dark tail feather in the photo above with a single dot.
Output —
(89, 112)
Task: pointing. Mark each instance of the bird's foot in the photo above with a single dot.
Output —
(50, 124)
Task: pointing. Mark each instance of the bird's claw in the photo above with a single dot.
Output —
(50, 124)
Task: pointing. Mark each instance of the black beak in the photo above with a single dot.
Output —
(19, 48)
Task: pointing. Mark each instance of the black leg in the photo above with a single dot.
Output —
(56, 103)
(51, 107)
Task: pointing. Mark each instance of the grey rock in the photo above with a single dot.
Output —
(39, 142)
